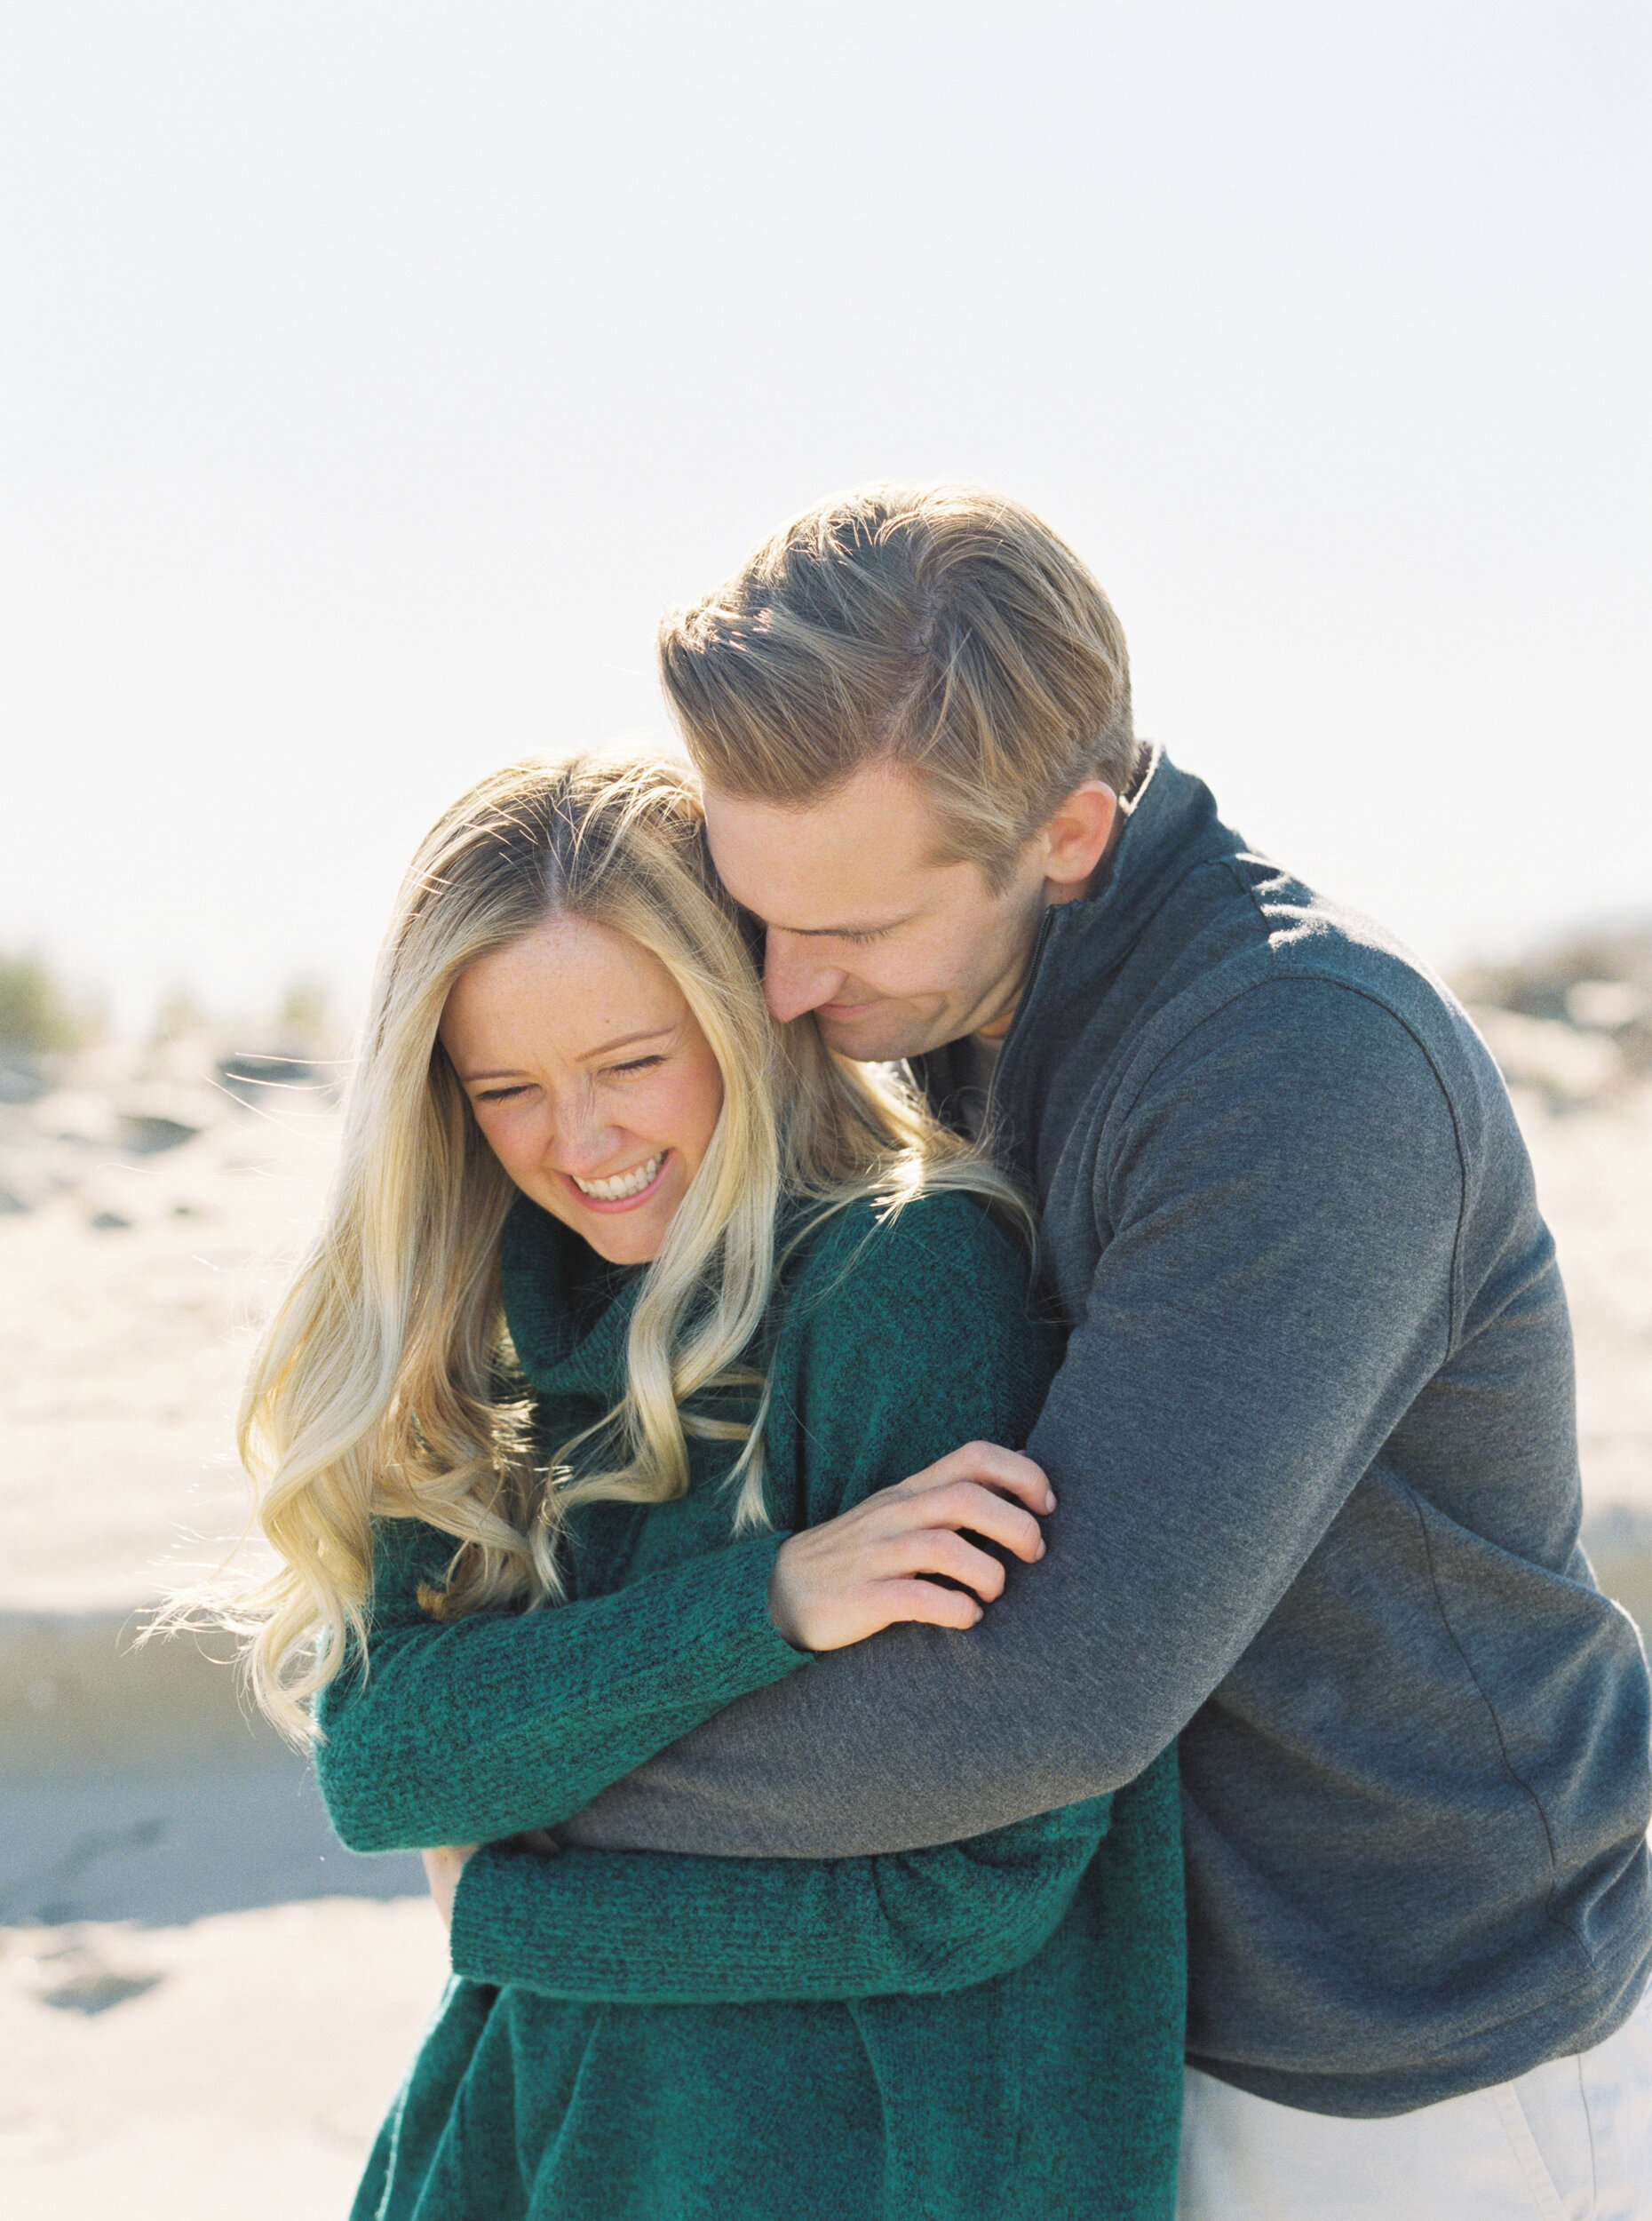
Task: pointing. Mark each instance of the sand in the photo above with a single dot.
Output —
(236, 2066)
(128, 1295)
(206, 2003)
(1593, 1166)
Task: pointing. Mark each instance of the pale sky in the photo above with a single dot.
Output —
(374, 373)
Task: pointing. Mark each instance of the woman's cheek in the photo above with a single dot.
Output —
(512, 1140)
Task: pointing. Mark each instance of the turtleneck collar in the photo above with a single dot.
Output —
(567, 1309)
(1171, 828)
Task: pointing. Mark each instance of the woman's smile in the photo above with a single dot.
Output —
(623, 1191)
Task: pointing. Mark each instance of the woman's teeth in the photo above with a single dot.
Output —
(623, 1184)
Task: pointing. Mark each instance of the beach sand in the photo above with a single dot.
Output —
(206, 2003)
(236, 2066)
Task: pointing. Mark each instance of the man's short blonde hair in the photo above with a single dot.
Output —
(940, 627)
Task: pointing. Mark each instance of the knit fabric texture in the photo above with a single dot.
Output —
(991, 2027)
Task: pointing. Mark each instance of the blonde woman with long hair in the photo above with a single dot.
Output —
(573, 1430)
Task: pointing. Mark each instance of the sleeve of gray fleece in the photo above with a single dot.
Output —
(1281, 1198)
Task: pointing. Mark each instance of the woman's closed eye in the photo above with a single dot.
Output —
(629, 1070)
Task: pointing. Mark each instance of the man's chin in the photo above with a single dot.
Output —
(882, 1036)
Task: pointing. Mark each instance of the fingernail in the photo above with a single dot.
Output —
(1049, 1503)
(1042, 1547)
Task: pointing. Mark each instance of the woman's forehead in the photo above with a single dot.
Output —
(569, 990)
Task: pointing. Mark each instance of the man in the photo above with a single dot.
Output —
(1313, 1444)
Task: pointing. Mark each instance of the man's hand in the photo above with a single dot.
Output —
(442, 1868)
(869, 1567)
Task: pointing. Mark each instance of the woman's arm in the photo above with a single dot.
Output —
(639, 1928)
(900, 1340)
(466, 1732)
(431, 1746)
(899, 1337)
(504, 1723)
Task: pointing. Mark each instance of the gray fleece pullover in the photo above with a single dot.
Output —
(1314, 1447)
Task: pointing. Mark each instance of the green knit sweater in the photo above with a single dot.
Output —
(990, 2029)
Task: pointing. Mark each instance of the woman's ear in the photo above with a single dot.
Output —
(1076, 836)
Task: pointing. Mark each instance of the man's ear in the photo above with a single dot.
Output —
(1076, 837)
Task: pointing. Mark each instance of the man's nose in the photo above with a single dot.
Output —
(794, 979)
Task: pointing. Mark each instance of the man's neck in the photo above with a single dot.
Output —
(1054, 892)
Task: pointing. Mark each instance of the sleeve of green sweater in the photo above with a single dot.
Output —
(639, 1927)
(466, 1732)
(907, 1339)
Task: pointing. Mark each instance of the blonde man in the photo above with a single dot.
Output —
(1313, 1442)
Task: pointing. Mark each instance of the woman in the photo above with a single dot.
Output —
(745, 1284)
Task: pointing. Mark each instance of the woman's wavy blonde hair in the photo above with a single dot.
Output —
(381, 1387)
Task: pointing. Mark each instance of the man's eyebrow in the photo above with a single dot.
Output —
(603, 1048)
(849, 933)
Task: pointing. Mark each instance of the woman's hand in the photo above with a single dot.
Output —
(841, 1581)
(443, 1866)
